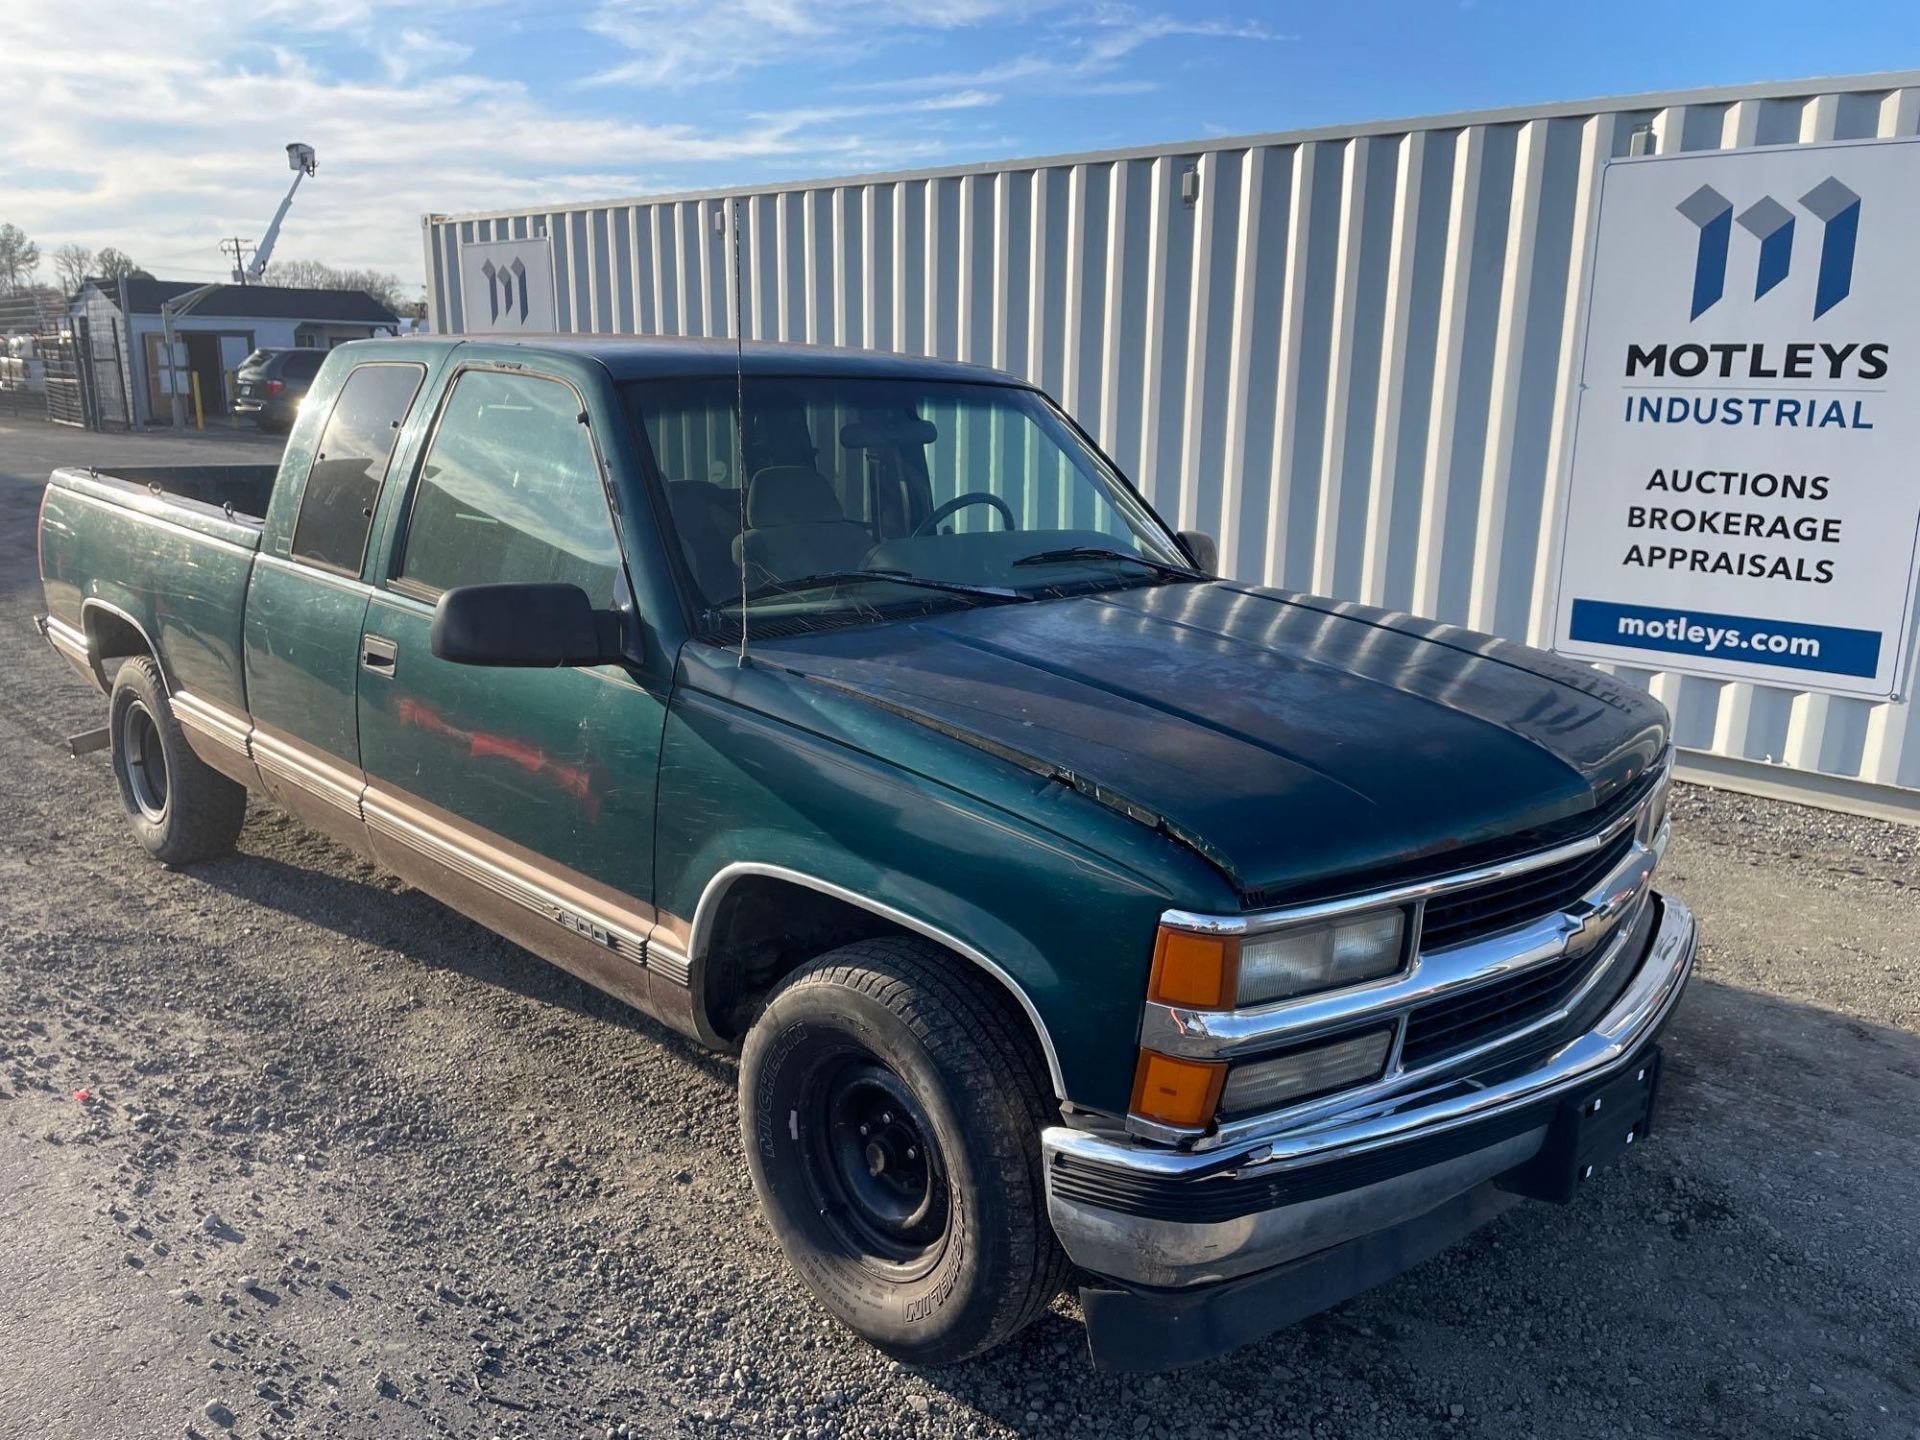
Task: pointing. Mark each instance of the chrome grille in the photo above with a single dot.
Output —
(1459, 1023)
(1468, 915)
(1508, 1007)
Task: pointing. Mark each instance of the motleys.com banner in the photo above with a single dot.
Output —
(1744, 500)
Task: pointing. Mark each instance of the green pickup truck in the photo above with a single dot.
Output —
(1075, 913)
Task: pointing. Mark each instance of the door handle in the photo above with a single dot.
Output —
(378, 654)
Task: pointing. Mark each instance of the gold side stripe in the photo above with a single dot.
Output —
(69, 641)
(288, 764)
(669, 963)
(211, 722)
(384, 818)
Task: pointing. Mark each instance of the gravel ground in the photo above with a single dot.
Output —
(350, 1165)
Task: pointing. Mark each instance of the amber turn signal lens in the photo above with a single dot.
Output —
(1200, 971)
(1177, 1092)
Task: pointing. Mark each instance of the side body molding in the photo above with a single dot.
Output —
(73, 647)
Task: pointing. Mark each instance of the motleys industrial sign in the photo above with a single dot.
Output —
(1745, 492)
(507, 285)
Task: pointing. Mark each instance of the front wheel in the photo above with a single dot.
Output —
(181, 808)
(892, 1113)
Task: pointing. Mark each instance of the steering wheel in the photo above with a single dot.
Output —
(959, 503)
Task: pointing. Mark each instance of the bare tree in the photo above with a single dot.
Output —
(112, 264)
(382, 285)
(19, 258)
(73, 264)
(301, 275)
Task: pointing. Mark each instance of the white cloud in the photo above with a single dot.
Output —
(1121, 29)
(413, 50)
(156, 125)
(158, 129)
(826, 114)
(666, 47)
(1087, 44)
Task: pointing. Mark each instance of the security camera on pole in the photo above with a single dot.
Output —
(300, 160)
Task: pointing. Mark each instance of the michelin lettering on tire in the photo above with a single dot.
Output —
(769, 1079)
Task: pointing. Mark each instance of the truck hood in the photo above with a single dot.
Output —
(1290, 739)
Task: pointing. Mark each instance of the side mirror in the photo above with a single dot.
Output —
(535, 626)
(1204, 549)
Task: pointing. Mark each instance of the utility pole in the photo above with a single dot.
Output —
(237, 248)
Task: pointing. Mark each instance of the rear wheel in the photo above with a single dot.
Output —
(892, 1115)
(181, 809)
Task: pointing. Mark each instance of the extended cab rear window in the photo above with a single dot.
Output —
(336, 510)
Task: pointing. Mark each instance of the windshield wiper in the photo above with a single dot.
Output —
(852, 577)
(1095, 552)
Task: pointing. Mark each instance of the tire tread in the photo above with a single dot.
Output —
(940, 998)
(205, 808)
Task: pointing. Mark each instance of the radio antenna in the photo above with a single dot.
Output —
(740, 418)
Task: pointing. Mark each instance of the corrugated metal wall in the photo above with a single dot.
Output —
(1348, 353)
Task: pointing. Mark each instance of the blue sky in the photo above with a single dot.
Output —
(157, 127)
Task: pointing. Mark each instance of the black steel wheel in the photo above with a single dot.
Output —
(181, 808)
(872, 1162)
(146, 761)
(892, 1107)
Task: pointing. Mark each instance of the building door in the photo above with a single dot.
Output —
(203, 364)
(159, 381)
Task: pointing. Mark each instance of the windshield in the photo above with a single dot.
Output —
(870, 497)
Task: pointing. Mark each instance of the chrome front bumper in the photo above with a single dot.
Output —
(1154, 1216)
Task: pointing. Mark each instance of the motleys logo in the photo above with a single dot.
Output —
(504, 284)
(1831, 203)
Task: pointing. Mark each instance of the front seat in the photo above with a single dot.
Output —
(795, 527)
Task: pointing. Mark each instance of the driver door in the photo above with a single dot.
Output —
(524, 797)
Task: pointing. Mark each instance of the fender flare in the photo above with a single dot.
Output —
(707, 911)
(92, 606)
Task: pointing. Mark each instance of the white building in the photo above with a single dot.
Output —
(217, 334)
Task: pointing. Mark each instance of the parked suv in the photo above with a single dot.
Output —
(270, 384)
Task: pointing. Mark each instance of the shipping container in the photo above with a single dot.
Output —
(1350, 353)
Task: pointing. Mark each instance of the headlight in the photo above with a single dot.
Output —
(1255, 1085)
(1219, 972)
(1306, 958)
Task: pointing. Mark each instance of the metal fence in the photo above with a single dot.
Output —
(29, 329)
(1350, 353)
(53, 366)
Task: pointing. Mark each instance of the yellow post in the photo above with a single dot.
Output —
(199, 415)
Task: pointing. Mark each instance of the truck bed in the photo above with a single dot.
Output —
(164, 549)
(240, 491)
